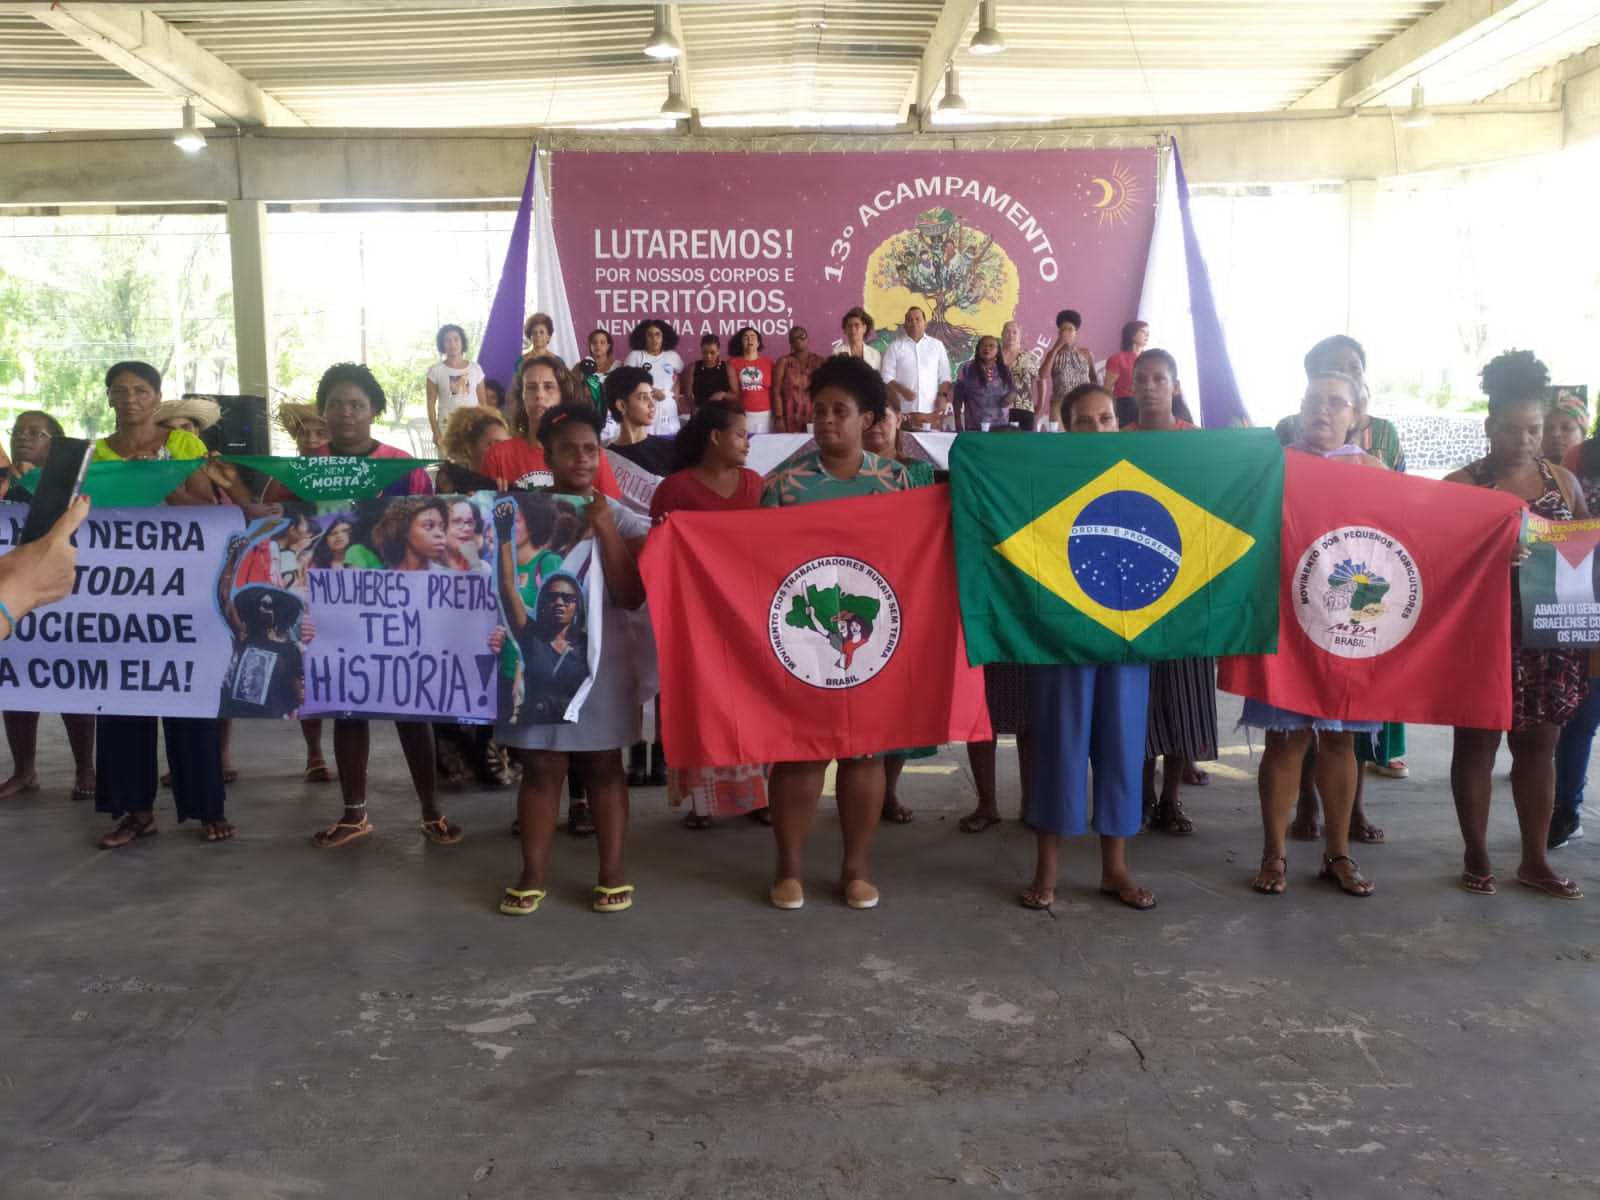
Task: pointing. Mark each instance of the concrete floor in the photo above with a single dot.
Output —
(264, 1020)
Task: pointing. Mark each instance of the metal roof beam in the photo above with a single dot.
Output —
(943, 41)
(150, 49)
(1405, 56)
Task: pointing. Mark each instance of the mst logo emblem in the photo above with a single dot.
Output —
(1357, 592)
(834, 623)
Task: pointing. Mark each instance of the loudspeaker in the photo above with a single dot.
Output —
(243, 428)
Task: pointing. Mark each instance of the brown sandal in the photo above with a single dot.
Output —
(1272, 881)
(129, 829)
(1351, 881)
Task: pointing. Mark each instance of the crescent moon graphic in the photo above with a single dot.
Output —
(1108, 191)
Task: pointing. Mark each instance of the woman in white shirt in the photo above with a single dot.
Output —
(452, 381)
(857, 326)
(654, 347)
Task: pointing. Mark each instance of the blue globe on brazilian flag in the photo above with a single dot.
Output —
(1132, 547)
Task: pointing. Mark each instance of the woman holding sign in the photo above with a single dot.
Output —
(1327, 415)
(709, 475)
(1547, 686)
(30, 446)
(350, 398)
(128, 744)
(1183, 692)
(609, 718)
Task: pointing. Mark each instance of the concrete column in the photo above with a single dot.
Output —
(1363, 255)
(247, 241)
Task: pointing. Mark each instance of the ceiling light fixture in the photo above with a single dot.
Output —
(988, 39)
(189, 139)
(951, 105)
(662, 44)
(676, 108)
(1417, 116)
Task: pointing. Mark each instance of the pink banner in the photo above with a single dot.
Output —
(711, 242)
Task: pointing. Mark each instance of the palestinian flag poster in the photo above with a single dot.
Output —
(1396, 598)
(815, 632)
(1560, 610)
(1117, 548)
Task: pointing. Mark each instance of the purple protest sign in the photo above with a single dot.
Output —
(976, 238)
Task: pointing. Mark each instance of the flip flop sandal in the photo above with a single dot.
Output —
(1032, 899)
(1367, 834)
(317, 772)
(217, 831)
(79, 793)
(1561, 889)
(1477, 885)
(696, 821)
(128, 825)
(899, 815)
(341, 832)
(601, 894)
(438, 832)
(1135, 898)
(230, 777)
(977, 822)
(512, 909)
(1195, 777)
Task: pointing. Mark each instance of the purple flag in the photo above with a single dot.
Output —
(1221, 406)
(502, 337)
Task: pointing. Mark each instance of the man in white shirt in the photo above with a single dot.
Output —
(917, 369)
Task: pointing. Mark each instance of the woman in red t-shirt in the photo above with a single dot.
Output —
(710, 476)
(750, 378)
(1119, 369)
(518, 462)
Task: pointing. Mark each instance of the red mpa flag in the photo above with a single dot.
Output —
(1395, 599)
(819, 631)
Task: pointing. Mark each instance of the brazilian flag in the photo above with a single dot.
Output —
(1128, 547)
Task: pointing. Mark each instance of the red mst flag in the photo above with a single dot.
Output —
(1395, 596)
(819, 631)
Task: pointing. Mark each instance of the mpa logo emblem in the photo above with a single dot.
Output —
(1357, 592)
(834, 623)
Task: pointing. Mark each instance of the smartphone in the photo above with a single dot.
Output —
(60, 481)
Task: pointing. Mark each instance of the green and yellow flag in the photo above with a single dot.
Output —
(1132, 547)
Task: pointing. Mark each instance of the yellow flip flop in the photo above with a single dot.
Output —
(603, 893)
(518, 910)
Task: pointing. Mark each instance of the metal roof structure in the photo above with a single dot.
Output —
(581, 64)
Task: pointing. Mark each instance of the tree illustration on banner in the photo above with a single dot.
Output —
(954, 270)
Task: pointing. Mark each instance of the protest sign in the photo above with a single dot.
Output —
(140, 633)
(1556, 583)
(548, 580)
(382, 608)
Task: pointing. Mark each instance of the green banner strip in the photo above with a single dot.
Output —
(331, 477)
(138, 484)
(143, 483)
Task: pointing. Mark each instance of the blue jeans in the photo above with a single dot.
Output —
(1572, 752)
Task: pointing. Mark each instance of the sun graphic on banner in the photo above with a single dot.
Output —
(1112, 198)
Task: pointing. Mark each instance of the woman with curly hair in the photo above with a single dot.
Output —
(349, 399)
(654, 347)
(750, 377)
(518, 461)
(472, 432)
(453, 380)
(1547, 686)
(413, 534)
